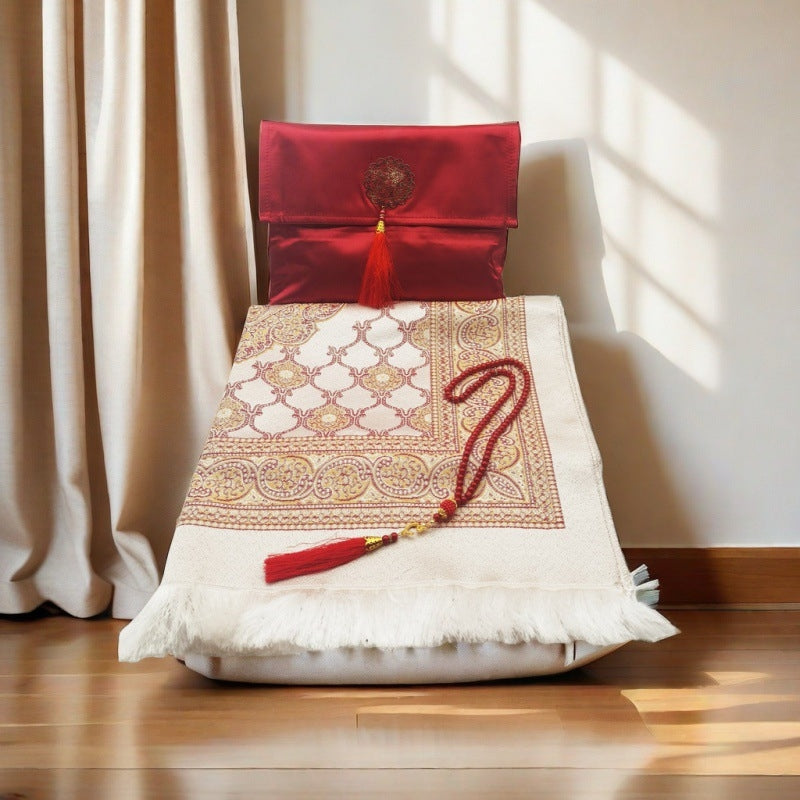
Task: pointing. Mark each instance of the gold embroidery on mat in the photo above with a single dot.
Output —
(345, 474)
(267, 326)
(367, 375)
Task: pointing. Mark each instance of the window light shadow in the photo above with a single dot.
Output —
(655, 167)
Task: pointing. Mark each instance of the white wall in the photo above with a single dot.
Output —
(659, 197)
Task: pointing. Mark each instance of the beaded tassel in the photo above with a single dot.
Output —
(379, 283)
(342, 551)
(322, 557)
(388, 183)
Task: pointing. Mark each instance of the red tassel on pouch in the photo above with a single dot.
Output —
(379, 284)
(388, 183)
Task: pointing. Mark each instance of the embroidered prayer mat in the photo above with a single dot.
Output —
(333, 423)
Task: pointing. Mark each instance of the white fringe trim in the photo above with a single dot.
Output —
(217, 621)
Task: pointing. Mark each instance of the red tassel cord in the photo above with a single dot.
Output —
(388, 183)
(379, 285)
(322, 557)
(342, 551)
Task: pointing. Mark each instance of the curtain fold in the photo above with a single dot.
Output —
(127, 268)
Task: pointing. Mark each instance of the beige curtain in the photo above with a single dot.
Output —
(127, 268)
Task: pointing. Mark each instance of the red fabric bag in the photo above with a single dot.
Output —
(447, 195)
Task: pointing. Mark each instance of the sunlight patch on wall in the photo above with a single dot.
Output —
(668, 146)
(660, 271)
(678, 336)
(656, 173)
(455, 103)
(473, 38)
(555, 75)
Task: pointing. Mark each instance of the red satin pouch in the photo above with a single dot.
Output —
(448, 196)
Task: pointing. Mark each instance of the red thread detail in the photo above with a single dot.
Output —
(379, 285)
(316, 559)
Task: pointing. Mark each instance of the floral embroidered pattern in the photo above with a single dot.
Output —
(421, 419)
(333, 418)
(229, 480)
(383, 378)
(343, 479)
(231, 414)
(401, 475)
(327, 419)
(388, 182)
(285, 375)
(287, 478)
(285, 326)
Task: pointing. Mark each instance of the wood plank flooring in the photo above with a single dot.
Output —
(712, 713)
(721, 576)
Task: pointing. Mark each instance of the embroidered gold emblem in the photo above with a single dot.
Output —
(388, 182)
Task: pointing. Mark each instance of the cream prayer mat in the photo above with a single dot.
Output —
(334, 424)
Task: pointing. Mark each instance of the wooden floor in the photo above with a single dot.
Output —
(712, 713)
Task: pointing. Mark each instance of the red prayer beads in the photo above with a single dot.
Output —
(487, 371)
